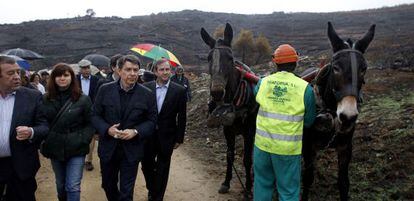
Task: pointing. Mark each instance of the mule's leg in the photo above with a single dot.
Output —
(309, 155)
(248, 158)
(344, 158)
(230, 141)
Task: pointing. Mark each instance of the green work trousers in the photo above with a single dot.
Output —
(276, 171)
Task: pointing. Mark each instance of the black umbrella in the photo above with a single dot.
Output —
(23, 53)
(98, 60)
(21, 62)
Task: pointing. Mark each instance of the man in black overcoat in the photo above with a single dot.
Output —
(124, 114)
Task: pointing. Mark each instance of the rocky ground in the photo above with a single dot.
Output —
(382, 167)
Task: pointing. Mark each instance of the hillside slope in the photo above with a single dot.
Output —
(68, 40)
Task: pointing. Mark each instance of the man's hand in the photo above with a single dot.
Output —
(176, 145)
(115, 132)
(129, 134)
(23, 133)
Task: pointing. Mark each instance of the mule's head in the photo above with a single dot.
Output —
(348, 69)
(221, 64)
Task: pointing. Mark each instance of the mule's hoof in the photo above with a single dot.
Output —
(223, 189)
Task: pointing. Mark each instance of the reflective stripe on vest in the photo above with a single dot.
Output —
(279, 123)
(276, 136)
(280, 116)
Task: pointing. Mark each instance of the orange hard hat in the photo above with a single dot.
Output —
(285, 54)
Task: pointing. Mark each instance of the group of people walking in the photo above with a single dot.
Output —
(134, 123)
(137, 123)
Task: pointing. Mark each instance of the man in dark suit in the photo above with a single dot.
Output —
(86, 80)
(169, 132)
(113, 75)
(180, 79)
(88, 84)
(22, 128)
(124, 114)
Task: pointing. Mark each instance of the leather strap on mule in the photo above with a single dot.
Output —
(243, 95)
(354, 70)
(240, 96)
(244, 91)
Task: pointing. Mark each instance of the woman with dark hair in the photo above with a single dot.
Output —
(68, 113)
(35, 81)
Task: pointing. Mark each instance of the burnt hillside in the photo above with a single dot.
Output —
(69, 40)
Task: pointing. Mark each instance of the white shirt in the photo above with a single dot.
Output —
(41, 88)
(6, 114)
(161, 91)
(85, 84)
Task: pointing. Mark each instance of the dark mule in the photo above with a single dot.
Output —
(224, 85)
(338, 85)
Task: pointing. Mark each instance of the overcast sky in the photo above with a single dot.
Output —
(17, 11)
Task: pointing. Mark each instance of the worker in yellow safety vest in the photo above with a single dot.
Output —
(287, 105)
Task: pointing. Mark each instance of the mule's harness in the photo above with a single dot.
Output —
(354, 70)
(244, 90)
(330, 83)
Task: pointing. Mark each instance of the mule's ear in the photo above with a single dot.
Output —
(228, 35)
(207, 38)
(336, 42)
(362, 44)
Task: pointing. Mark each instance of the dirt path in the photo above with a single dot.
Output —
(188, 181)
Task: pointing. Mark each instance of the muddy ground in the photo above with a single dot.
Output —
(382, 167)
(188, 181)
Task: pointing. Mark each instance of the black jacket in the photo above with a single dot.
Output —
(172, 118)
(102, 81)
(92, 86)
(183, 81)
(141, 114)
(72, 133)
(27, 112)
